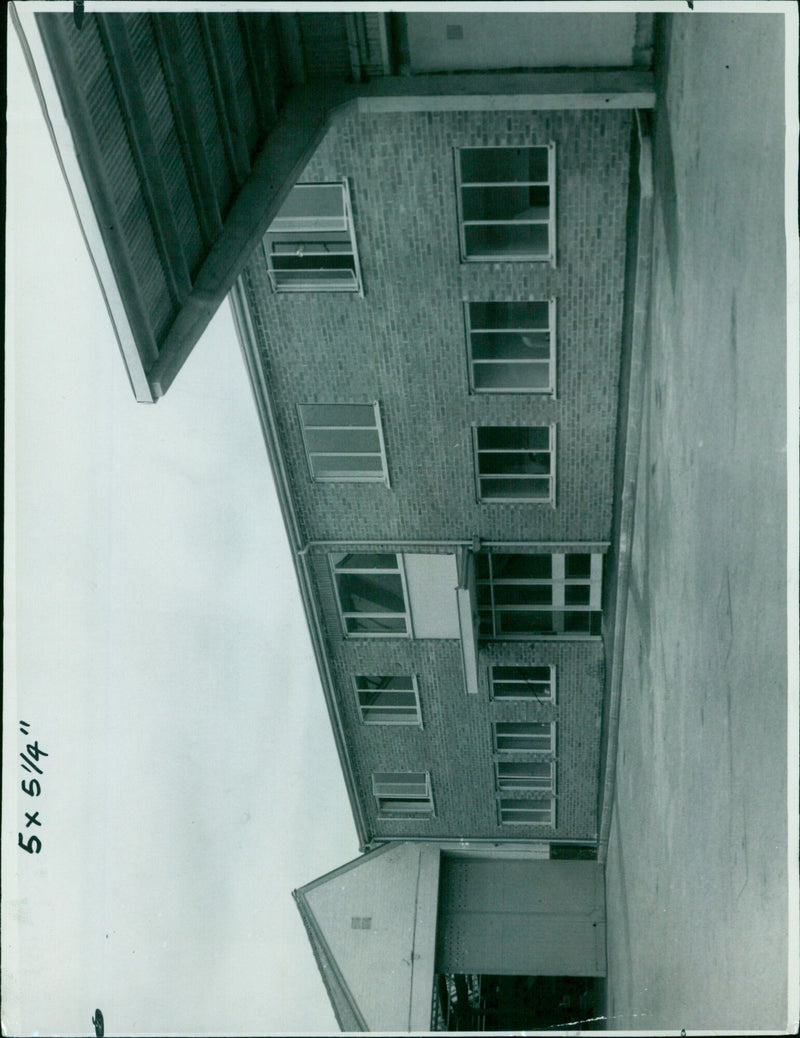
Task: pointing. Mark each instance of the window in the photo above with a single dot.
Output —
(310, 245)
(511, 347)
(525, 736)
(388, 700)
(538, 596)
(531, 683)
(371, 592)
(528, 812)
(361, 922)
(403, 794)
(516, 463)
(534, 775)
(507, 203)
(344, 442)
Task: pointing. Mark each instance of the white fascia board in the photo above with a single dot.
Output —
(23, 18)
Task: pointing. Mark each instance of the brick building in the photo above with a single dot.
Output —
(428, 277)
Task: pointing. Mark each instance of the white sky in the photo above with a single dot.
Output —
(156, 644)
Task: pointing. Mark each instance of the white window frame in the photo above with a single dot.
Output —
(411, 716)
(305, 228)
(475, 365)
(515, 731)
(558, 581)
(403, 796)
(503, 257)
(507, 783)
(508, 804)
(479, 452)
(346, 477)
(549, 686)
(344, 616)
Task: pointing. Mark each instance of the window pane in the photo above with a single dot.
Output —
(311, 200)
(343, 466)
(528, 622)
(372, 560)
(520, 567)
(522, 463)
(344, 441)
(400, 681)
(516, 315)
(523, 594)
(337, 414)
(578, 565)
(523, 674)
(376, 625)
(520, 204)
(528, 489)
(512, 378)
(371, 593)
(514, 437)
(510, 345)
(499, 164)
(577, 594)
(520, 241)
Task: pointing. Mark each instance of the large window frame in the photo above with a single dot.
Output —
(388, 699)
(314, 251)
(490, 194)
(351, 573)
(538, 596)
(509, 469)
(511, 346)
(353, 443)
(403, 796)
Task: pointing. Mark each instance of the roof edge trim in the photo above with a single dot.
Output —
(266, 414)
(23, 19)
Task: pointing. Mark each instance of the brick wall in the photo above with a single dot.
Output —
(403, 344)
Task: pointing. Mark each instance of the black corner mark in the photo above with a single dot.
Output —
(97, 1019)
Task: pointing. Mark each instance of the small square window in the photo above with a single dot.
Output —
(388, 700)
(534, 684)
(516, 463)
(511, 347)
(344, 443)
(506, 201)
(403, 795)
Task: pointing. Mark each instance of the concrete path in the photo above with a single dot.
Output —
(697, 865)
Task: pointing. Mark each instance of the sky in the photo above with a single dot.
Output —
(156, 646)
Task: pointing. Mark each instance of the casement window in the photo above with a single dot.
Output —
(506, 202)
(530, 596)
(371, 594)
(311, 244)
(516, 462)
(403, 794)
(539, 775)
(528, 812)
(511, 346)
(344, 442)
(388, 699)
(537, 684)
(525, 736)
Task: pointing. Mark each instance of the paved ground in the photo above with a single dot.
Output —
(697, 864)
